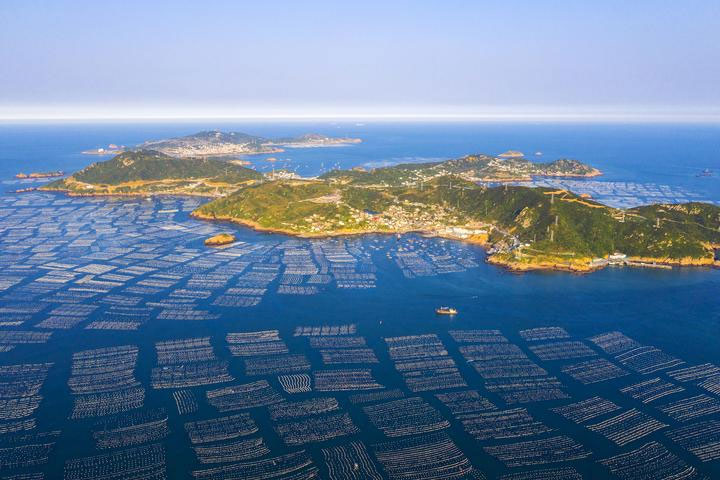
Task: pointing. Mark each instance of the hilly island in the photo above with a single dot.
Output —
(522, 228)
(217, 143)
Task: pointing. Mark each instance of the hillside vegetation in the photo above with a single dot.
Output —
(527, 226)
(523, 227)
(148, 171)
(471, 167)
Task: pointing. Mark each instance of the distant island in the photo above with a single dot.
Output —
(512, 154)
(34, 175)
(215, 143)
(111, 149)
(522, 228)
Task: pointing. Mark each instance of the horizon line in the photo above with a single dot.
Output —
(592, 117)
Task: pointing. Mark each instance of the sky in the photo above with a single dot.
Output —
(422, 58)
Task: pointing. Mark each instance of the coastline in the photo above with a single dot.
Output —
(309, 235)
(265, 149)
(532, 177)
(676, 262)
(70, 193)
(581, 265)
(523, 267)
(194, 154)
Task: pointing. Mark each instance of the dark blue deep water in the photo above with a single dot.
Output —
(84, 275)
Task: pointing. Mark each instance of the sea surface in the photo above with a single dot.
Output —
(355, 316)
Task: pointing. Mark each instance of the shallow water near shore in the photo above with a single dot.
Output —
(102, 272)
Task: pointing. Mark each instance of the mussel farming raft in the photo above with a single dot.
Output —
(26, 450)
(221, 428)
(103, 382)
(296, 465)
(248, 395)
(140, 462)
(19, 391)
(406, 416)
(650, 462)
(539, 452)
(303, 408)
(651, 390)
(701, 438)
(344, 380)
(134, 429)
(318, 397)
(185, 402)
(297, 383)
(350, 462)
(189, 362)
(424, 363)
(316, 429)
(433, 455)
(250, 344)
(503, 424)
(627, 427)
(232, 451)
(508, 371)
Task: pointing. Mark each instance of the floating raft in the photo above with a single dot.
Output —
(409, 459)
(539, 452)
(627, 427)
(220, 428)
(297, 465)
(652, 461)
(350, 462)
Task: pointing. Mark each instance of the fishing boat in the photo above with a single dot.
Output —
(446, 311)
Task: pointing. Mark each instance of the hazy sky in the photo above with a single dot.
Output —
(236, 58)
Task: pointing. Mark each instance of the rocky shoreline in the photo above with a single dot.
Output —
(579, 266)
(71, 193)
(531, 177)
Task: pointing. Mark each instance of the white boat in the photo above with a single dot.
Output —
(446, 311)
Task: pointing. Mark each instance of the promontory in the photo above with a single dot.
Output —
(522, 228)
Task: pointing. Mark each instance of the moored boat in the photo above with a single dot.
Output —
(446, 311)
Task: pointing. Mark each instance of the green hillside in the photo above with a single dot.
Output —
(526, 225)
(148, 171)
(524, 228)
(209, 137)
(471, 167)
(147, 165)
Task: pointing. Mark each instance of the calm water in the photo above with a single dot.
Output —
(76, 263)
(661, 154)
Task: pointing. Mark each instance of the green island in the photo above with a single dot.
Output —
(522, 228)
(146, 172)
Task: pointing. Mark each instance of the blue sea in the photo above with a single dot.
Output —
(117, 326)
